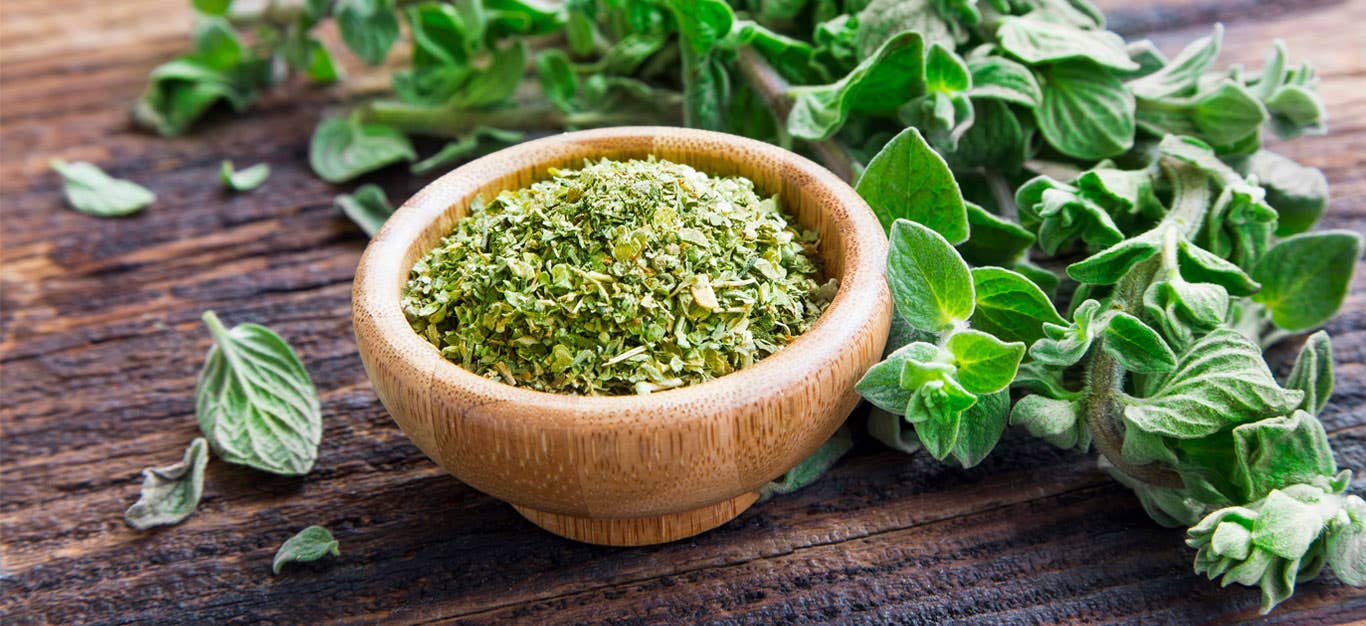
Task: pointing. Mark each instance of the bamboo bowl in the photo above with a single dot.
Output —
(628, 470)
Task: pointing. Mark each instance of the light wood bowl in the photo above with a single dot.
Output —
(629, 470)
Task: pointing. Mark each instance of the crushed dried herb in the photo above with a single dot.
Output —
(620, 277)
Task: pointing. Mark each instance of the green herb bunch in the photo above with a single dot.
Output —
(1088, 239)
(619, 277)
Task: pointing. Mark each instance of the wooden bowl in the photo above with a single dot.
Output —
(629, 470)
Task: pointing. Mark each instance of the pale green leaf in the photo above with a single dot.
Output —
(89, 190)
(244, 180)
(1037, 41)
(344, 148)
(1137, 347)
(368, 27)
(170, 494)
(1313, 372)
(881, 384)
(810, 469)
(255, 401)
(1305, 278)
(909, 180)
(310, 544)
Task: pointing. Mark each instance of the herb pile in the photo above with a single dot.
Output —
(620, 277)
(1089, 240)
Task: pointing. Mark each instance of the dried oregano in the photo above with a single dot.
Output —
(621, 277)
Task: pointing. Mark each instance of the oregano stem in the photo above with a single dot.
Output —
(1105, 379)
(771, 87)
(453, 122)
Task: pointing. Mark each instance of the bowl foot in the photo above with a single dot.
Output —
(640, 531)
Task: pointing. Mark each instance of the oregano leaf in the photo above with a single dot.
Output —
(985, 364)
(931, 285)
(255, 401)
(1010, 306)
(1305, 277)
(310, 544)
(368, 27)
(1137, 347)
(878, 85)
(909, 180)
(1313, 372)
(368, 207)
(1183, 73)
(1003, 79)
(881, 384)
(89, 190)
(344, 148)
(812, 467)
(170, 494)
(1038, 40)
(244, 180)
(1086, 112)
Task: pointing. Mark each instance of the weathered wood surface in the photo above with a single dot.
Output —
(100, 342)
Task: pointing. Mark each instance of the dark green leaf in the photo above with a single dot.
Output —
(368, 207)
(1305, 278)
(812, 467)
(1137, 347)
(880, 85)
(1221, 380)
(368, 27)
(89, 190)
(882, 20)
(212, 7)
(1009, 306)
(930, 283)
(1298, 193)
(985, 364)
(170, 494)
(255, 401)
(1003, 79)
(344, 148)
(311, 544)
(496, 83)
(992, 139)
(909, 180)
(245, 180)
(1086, 112)
(1109, 265)
(1038, 40)
(558, 81)
(994, 241)
(1313, 372)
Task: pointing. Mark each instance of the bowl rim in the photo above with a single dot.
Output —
(862, 287)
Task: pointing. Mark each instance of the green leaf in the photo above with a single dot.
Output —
(1223, 116)
(255, 401)
(1184, 310)
(212, 7)
(909, 180)
(1002, 79)
(1056, 421)
(985, 364)
(987, 137)
(1313, 372)
(810, 469)
(496, 83)
(1298, 193)
(1086, 112)
(579, 31)
(1201, 266)
(1044, 278)
(893, 431)
(883, 20)
(1182, 74)
(1346, 545)
(930, 283)
(1063, 346)
(1010, 306)
(1137, 347)
(465, 146)
(92, 192)
(319, 65)
(1295, 111)
(311, 544)
(558, 81)
(170, 494)
(881, 384)
(981, 428)
(368, 27)
(1038, 40)
(1219, 381)
(1277, 452)
(945, 71)
(994, 241)
(368, 207)
(1061, 214)
(702, 25)
(1305, 278)
(1111, 264)
(879, 85)
(937, 410)
(344, 148)
(245, 180)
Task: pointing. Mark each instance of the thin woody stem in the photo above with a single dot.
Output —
(773, 90)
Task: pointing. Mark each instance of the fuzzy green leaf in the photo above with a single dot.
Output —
(879, 85)
(1086, 112)
(1277, 452)
(1038, 40)
(1305, 278)
(1056, 421)
(245, 180)
(981, 428)
(931, 285)
(1298, 193)
(1137, 347)
(893, 431)
(994, 241)
(368, 27)
(985, 364)
(255, 401)
(1002, 79)
(310, 544)
(937, 410)
(1183, 73)
(344, 148)
(1313, 372)
(1221, 380)
(909, 180)
(1010, 306)
(368, 207)
(170, 494)
(881, 384)
(89, 190)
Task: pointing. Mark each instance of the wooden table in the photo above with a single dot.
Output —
(102, 341)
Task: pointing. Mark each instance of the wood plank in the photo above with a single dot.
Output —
(100, 343)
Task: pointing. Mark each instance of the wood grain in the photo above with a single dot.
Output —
(100, 342)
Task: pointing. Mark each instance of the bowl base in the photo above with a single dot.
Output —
(640, 531)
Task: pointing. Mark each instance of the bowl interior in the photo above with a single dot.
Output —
(852, 248)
